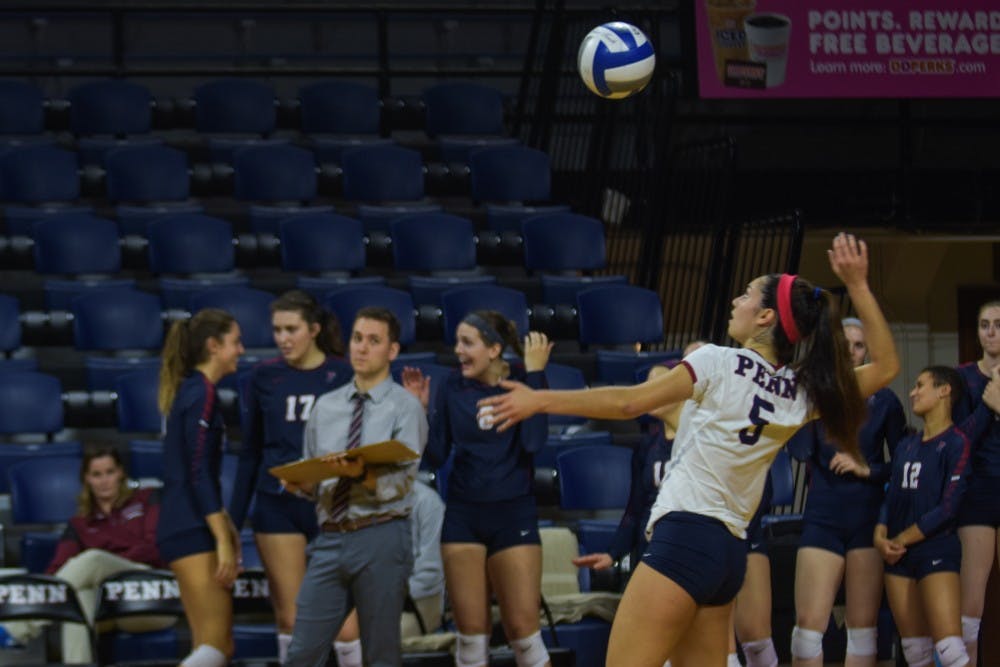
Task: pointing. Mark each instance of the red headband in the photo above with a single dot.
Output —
(785, 283)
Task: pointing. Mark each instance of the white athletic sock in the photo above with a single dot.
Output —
(733, 660)
(348, 653)
(205, 656)
(284, 641)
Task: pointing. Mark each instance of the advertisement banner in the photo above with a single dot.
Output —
(848, 48)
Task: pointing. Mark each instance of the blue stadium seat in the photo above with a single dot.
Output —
(157, 647)
(176, 293)
(462, 108)
(251, 308)
(340, 108)
(191, 243)
(13, 452)
(588, 639)
(597, 477)
(103, 372)
(782, 494)
(457, 303)
(136, 404)
(563, 289)
(563, 242)
(427, 290)
(619, 315)
(274, 174)
(30, 403)
(114, 320)
(378, 217)
(318, 287)
(433, 242)
(510, 217)
(235, 106)
(346, 302)
(546, 456)
(383, 174)
(108, 114)
(59, 294)
(18, 365)
(40, 180)
(459, 148)
(267, 218)
(322, 242)
(510, 174)
(10, 323)
(22, 108)
(111, 107)
(42, 491)
(147, 174)
(145, 459)
(596, 535)
(76, 243)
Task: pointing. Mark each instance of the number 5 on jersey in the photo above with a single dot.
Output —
(751, 434)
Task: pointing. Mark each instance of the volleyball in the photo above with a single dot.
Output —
(616, 60)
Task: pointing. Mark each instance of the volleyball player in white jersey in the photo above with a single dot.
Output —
(745, 403)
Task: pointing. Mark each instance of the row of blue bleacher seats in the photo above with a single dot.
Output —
(119, 108)
(146, 181)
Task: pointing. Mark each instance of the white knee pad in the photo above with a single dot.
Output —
(530, 651)
(806, 644)
(918, 651)
(472, 650)
(951, 651)
(970, 629)
(760, 653)
(862, 641)
(732, 660)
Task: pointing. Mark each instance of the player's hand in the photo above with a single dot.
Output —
(599, 561)
(227, 566)
(515, 406)
(991, 394)
(844, 464)
(418, 384)
(849, 259)
(536, 351)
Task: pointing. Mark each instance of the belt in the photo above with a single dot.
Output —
(351, 525)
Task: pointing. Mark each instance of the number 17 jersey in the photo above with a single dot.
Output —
(741, 413)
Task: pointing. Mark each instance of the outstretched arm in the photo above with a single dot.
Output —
(849, 260)
(619, 403)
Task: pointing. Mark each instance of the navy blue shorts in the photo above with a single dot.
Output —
(498, 525)
(700, 555)
(838, 539)
(188, 543)
(284, 513)
(939, 554)
(756, 537)
(981, 503)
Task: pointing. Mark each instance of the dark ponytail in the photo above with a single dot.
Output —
(814, 345)
(329, 340)
(184, 348)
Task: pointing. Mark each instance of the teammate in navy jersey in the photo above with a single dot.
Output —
(195, 535)
(916, 533)
(840, 514)
(490, 538)
(744, 405)
(979, 516)
(277, 398)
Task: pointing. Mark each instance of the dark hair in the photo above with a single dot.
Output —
(995, 303)
(329, 340)
(380, 314)
(184, 349)
(506, 328)
(85, 504)
(823, 365)
(941, 375)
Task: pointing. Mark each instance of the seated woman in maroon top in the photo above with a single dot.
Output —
(113, 531)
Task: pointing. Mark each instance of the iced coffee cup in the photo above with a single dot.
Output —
(726, 20)
(767, 42)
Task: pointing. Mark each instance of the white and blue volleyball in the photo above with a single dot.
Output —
(616, 60)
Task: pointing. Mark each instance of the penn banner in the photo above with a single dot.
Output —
(848, 48)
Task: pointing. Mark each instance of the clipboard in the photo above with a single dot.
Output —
(316, 470)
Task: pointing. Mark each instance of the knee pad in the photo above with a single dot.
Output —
(760, 653)
(862, 641)
(970, 629)
(472, 650)
(530, 651)
(918, 651)
(806, 644)
(951, 651)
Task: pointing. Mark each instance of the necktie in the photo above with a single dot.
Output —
(342, 492)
